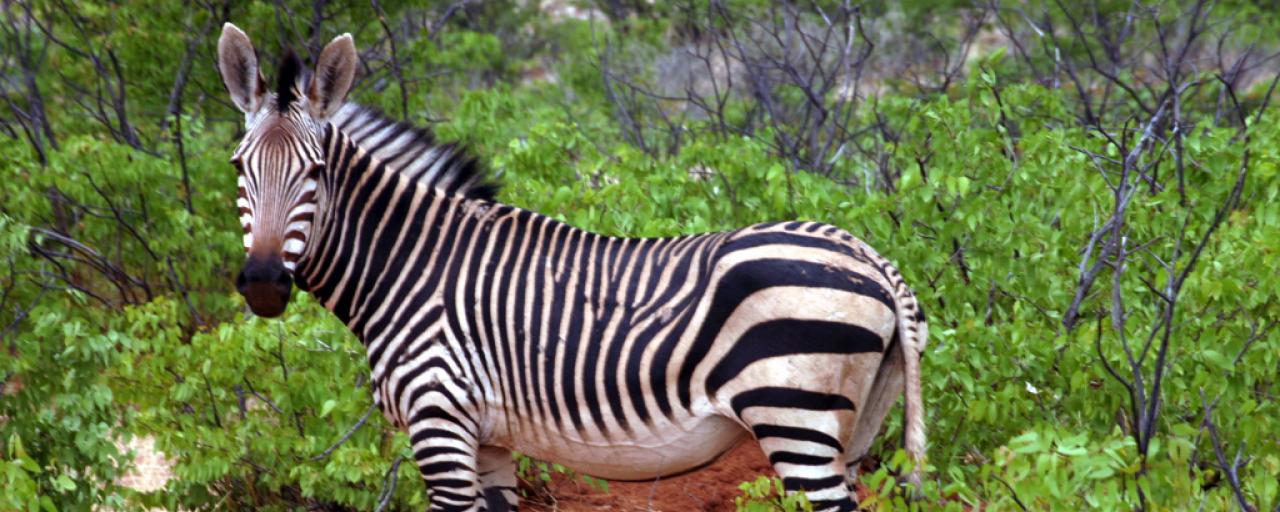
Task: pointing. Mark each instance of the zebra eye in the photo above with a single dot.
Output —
(238, 165)
(313, 172)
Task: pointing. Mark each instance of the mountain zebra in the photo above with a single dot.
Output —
(490, 328)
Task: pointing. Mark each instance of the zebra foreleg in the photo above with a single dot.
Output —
(443, 430)
(498, 478)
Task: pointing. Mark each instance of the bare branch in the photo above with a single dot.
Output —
(1232, 469)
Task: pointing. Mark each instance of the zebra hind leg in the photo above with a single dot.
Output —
(498, 478)
(809, 457)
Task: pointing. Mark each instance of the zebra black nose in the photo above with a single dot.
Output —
(265, 285)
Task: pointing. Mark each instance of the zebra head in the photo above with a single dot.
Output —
(280, 161)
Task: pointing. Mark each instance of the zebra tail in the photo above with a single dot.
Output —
(913, 334)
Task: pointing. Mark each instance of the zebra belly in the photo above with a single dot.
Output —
(678, 449)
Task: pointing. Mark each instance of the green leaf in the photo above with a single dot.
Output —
(63, 483)
(1101, 473)
(1072, 451)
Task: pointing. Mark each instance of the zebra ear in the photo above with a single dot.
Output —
(335, 71)
(238, 63)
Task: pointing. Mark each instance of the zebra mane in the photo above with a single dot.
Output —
(289, 71)
(414, 152)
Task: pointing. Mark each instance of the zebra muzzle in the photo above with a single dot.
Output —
(265, 285)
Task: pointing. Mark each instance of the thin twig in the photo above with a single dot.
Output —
(389, 484)
(345, 437)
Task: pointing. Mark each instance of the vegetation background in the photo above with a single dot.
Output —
(1083, 194)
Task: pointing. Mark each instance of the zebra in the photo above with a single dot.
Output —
(491, 329)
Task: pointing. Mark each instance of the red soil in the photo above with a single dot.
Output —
(711, 489)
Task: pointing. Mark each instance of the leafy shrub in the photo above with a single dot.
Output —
(767, 494)
(118, 319)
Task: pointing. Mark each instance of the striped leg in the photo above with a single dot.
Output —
(443, 431)
(805, 450)
(498, 478)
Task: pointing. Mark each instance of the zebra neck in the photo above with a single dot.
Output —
(414, 152)
(387, 246)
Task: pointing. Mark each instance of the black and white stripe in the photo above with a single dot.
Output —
(277, 199)
(413, 151)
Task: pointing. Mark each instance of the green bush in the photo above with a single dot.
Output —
(118, 318)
